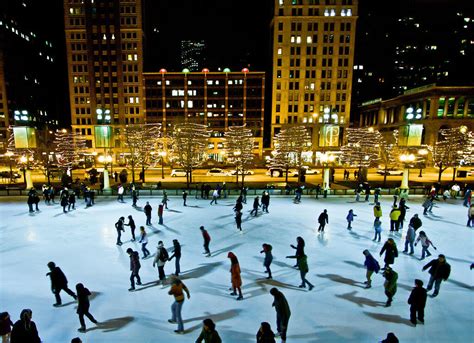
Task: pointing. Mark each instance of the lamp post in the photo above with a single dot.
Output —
(406, 159)
(422, 153)
(326, 159)
(105, 160)
(26, 171)
(162, 156)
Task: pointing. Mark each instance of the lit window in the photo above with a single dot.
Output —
(292, 39)
(333, 12)
(326, 13)
(132, 100)
(343, 13)
(279, 51)
(174, 92)
(349, 12)
(309, 39)
(298, 39)
(280, 2)
(190, 104)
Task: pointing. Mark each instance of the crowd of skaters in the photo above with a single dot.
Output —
(439, 269)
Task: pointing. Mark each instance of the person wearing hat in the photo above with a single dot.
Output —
(235, 275)
(417, 302)
(160, 258)
(134, 268)
(119, 226)
(24, 330)
(208, 333)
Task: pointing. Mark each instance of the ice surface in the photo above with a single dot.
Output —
(338, 309)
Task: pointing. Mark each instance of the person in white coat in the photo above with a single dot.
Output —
(160, 259)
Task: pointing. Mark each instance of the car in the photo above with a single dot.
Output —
(9, 175)
(308, 171)
(247, 172)
(216, 172)
(275, 172)
(390, 172)
(178, 172)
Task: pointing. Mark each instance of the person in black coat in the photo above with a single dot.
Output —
(177, 256)
(148, 210)
(256, 205)
(72, 201)
(299, 249)
(134, 268)
(417, 300)
(132, 225)
(83, 305)
(119, 226)
(238, 220)
(416, 222)
(58, 283)
(391, 251)
(283, 312)
(439, 270)
(265, 201)
(32, 195)
(323, 220)
(265, 334)
(24, 330)
(403, 212)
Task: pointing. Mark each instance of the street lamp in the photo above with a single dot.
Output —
(422, 153)
(406, 159)
(162, 156)
(105, 160)
(325, 160)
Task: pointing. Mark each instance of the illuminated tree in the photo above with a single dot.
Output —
(239, 143)
(188, 148)
(69, 148)
(290, 143)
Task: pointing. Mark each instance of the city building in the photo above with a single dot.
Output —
(216, 99)
(313, 52)
(192, 55)
(104, 41)
(420, 113)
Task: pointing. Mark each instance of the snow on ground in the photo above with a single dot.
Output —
(338, 309)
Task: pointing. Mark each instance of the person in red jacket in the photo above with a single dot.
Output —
(207, 240)
(160, 214)
(235, 275)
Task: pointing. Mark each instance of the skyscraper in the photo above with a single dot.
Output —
(313, 50)
(105, 64)
(192, 55)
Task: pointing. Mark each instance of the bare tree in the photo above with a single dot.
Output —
(188, 148)
(239, 143)
(69, 148)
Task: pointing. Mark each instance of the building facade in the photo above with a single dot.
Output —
(192, 54)
(313, 51)
(215, 99)
(421, 112)
(104, 43)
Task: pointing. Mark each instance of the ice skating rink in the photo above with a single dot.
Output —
(338, 309)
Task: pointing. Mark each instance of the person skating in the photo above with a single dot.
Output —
(164, 200)
(394, 216)
(5, 327)
(58, 283)
(299, 249)
(439, 271)
(208, 333)
(302, 262)
(416, 222)
(391, 252)
(185, 196)
(267, 250)
(235, 275)
(119, 226)
(323, 219)
(409, 240)
(176, 290)
(256, 205)
(350, 218)
(134, 268)
(265, 201)
(32, 195)
(72, 201)
(177, 256)
(427, 205)
(377, 229)
(238, 219)
(64, 199)
(377, 211)
(160, 214)
(215, 195)
(160, 259)
(76, 340)
(120, 191)
(470, 216)
(403, 211)
(425, 244)
(265, 333)
(144, 241)
(390, 284)
(83, 306)
(24, 330)
(371, 266)
(148, 210)
(132, 225)
(417, 302)
(283, 312)
(238, 204)
(376, 195)
(391, 338)
(207, 240)
(134, 196)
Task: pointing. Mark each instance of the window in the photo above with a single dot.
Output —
(279, 52)
(280, 26)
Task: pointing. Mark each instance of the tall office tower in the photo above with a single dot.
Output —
(192, 54)
(104, 41)
(28, 63)
(313, 50)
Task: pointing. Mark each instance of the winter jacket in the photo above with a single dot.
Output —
(23, 333)
(256, 204)
(83, 303)
(131, 223)
(266, 199)
(299, 249)
(209, 337)
(64, 201)
(323, 218)
(425, 242)
(417, 298)
(416, 223)
(390, 284)
(427, 203)
(395, 214)
(377, 211)
(160, 210)
(265, 337)
(268, 255)
(281, 307)
(238, 206)
(135, 262)
(470, 212)
(147, 209)
(58, 279)
(161, 257)
(235, 275)
(410, 234)
(371, 264)
(177, 290)
(119, 226)
(438, 270)
(215, 194)
(350, 216)
(206, 236)
(390, 252)
(238, 217)
(303, 264)
(5, 324)
(143, 238)
(176, 251)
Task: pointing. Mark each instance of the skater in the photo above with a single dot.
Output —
(377, 229)
(208, 333)
(215, 195)
(144, 241)
(265, 201)
(470, 216)
(148, 210)
(160, 214)
(302, 262)
(64, 199)
(467, 197)
(134, 196)
(119, 226)
(299, 249)
(425, 244)
(72, 201)
(5, 327)
(391, 252)
(357, 192)
(207, 240)
(298, 193)
(367, 192)
(31, 199)
(256, 205)
(132, 225)
(371, 265)
(323, 220)
(265, 334)
(376, 195)
(134, 268)
(377, 211)
(164, 201)
(177, 256)
(224, 190)
(415, 222)
(83, 305)
(24, 330)
(238, 220)
(120, 191)
(390, 285)
(439, 271)
(176, 290)
(283, 312)
(267, 249)
(391, 338)
(243, 193)
(394, 216)
(318, 190)
(427, 205)
(238, 204)
(417, 302)
(235, 275)
(185, 196)
(409, 240)
(160, 259)
(403, 211)
(350, 219)
(58, 283)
